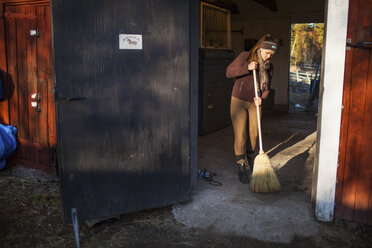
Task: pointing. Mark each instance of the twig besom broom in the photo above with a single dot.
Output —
(264, 179)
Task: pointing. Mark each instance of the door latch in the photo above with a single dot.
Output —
(359, 44)
(35, 101)
(34, 33)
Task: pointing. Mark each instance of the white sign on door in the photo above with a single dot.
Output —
(130, 41)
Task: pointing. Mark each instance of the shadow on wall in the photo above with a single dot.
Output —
(296, 174)
(8, 86)
(353, 191)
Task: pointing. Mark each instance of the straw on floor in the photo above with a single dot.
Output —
(264, 179)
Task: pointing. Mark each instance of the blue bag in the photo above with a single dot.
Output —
(8, 143)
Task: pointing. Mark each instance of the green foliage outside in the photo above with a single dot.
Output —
(306, 43)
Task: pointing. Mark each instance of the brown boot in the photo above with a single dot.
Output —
(244, 171)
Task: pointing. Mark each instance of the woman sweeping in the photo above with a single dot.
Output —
(243, 100)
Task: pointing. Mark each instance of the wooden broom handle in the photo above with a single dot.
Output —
(258, 110)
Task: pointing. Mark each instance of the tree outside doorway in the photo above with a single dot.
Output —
(305, 61)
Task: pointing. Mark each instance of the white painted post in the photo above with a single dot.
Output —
(330, 105)
(298, 80)
(308, 78)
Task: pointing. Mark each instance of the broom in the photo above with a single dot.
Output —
(264, 178)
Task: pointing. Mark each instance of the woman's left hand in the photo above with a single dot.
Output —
(258, 101)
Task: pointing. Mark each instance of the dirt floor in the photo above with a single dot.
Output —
(30, 216)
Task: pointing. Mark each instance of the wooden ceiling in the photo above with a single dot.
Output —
(230, 4)
(226, 4)
(270, 4)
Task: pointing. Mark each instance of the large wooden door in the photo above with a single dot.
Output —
(30, 72)
(354, 179)
(123, 114)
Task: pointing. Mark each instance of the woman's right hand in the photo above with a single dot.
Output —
(258, 101)
(252, 66)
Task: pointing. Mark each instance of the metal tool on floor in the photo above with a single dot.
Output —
(208, 176)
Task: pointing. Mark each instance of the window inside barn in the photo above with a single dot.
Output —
(215, 30)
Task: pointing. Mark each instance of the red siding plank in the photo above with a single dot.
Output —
(4, 104)
(22, 48)
(12, 77)
(31, 82)
(44, 67)
(339, 208)
(52, 133)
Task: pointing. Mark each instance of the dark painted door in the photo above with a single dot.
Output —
(354, 178)
(30, 70)
(123, 114)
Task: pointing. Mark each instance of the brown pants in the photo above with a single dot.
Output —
(241, 112)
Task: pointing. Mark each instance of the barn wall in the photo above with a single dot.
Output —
(214, 90)
(256, 20)
(354, 173)
(27, 73)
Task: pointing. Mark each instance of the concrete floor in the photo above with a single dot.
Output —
(289, 140)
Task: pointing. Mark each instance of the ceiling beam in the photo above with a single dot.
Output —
(226, 4)
(270, 4)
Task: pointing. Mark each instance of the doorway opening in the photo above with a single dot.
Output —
(289, 139)
(305, 66)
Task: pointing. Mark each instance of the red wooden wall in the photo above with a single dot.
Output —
(27, 71)
(354, 179)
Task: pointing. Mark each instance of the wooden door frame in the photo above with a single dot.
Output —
(330, 109)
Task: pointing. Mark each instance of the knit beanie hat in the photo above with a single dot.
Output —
(269, 45)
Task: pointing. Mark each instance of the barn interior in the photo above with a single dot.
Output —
(249, 21)
(289, 127)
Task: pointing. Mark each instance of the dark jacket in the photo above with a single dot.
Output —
(244, 83)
